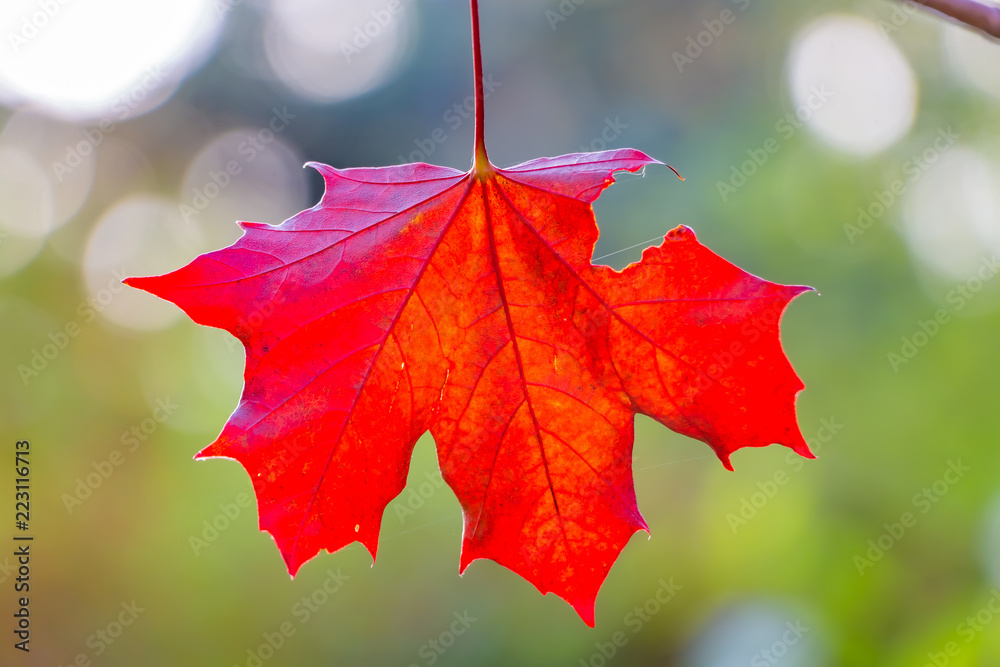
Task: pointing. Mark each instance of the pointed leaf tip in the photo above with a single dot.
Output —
(586, 612)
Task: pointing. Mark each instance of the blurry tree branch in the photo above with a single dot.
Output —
(978, 15)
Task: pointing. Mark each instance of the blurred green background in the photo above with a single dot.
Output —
(851, 146)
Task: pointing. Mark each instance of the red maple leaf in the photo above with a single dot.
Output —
(415, 298)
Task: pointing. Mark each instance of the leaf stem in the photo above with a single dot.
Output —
(480, 160)
(982, 17)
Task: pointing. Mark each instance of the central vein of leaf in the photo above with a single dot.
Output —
(517, 353)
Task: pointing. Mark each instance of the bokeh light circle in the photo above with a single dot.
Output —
(101, 59)
(26, 209)
(333, 50)
(242, 175)
(26, 200)
(63, 151)
(741, 634)
(858, 85)
(140, 235)
(951, 215)
(972, 57)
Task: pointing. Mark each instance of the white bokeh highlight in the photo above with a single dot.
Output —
(101, 59)
(972, 57)
(872, 89)
(239, 177)
(332, 50)
(141, 235)
(754, 633)
(26, 199)
(63, 151)
(26, 209)
(951, 216)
